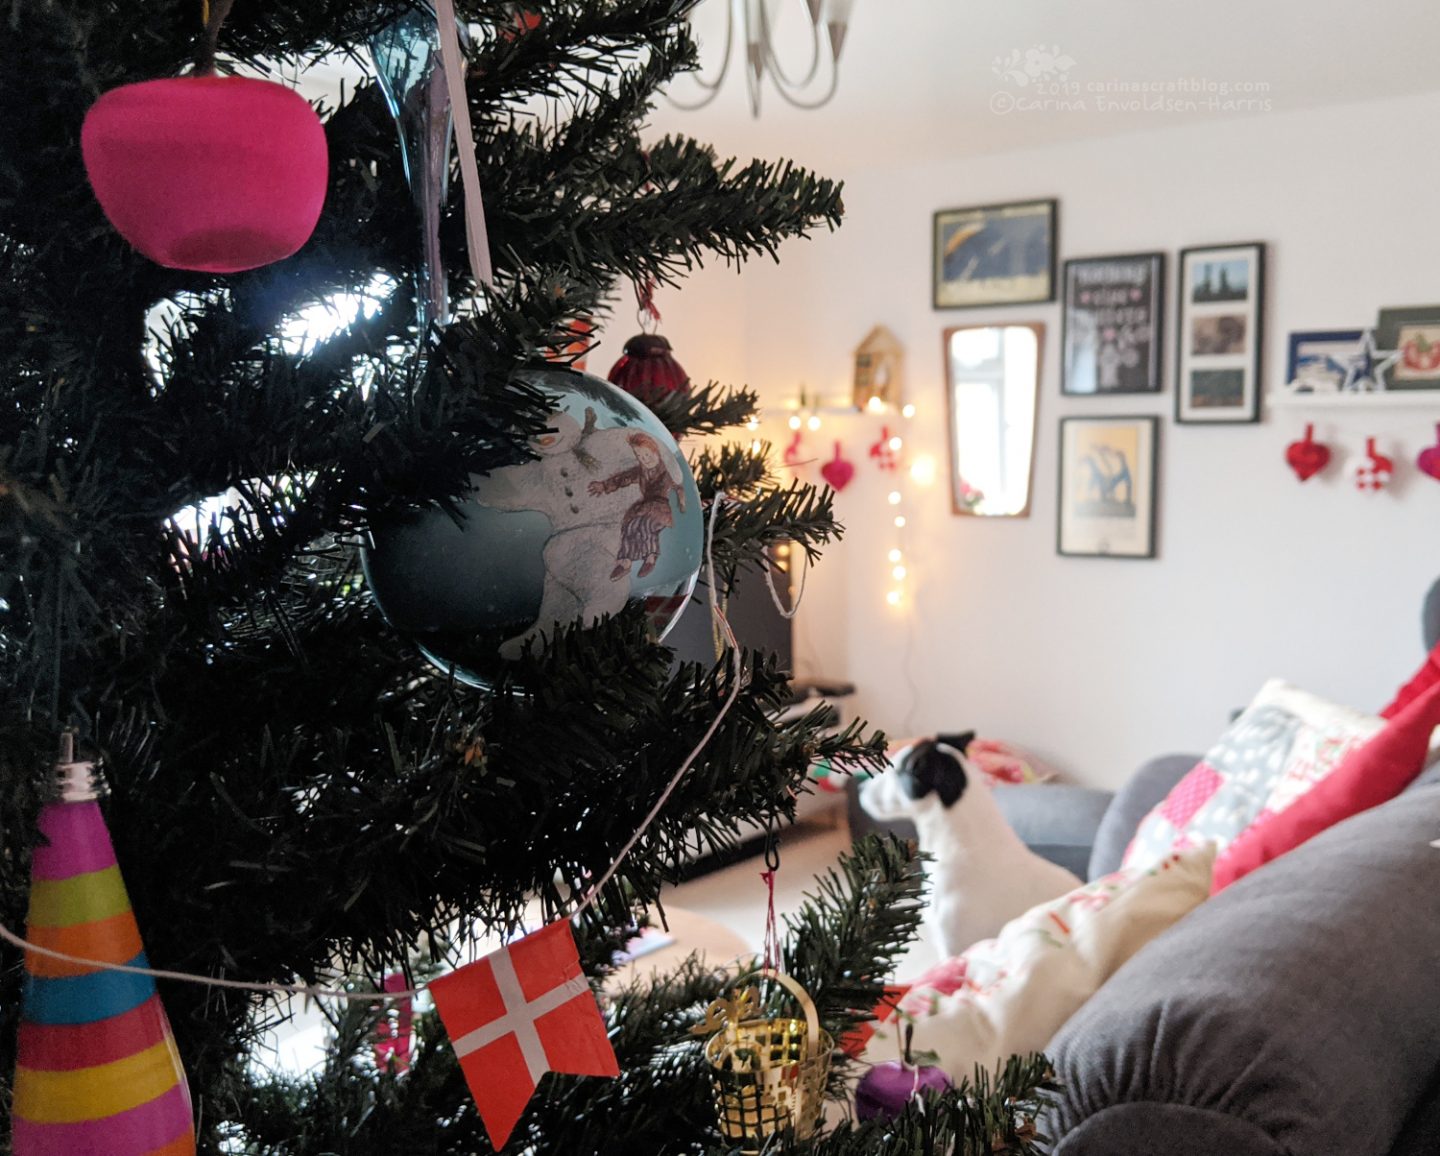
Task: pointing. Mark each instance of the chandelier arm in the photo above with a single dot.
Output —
(711, 88)
(808, 105)
(772, 58)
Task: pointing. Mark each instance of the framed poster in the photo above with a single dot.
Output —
(1321, 361)
(1222, 288)
(1107, 487)
(1414, 333)
(1113, 325)
(995, 255)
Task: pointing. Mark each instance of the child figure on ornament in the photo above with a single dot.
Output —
(650, 512)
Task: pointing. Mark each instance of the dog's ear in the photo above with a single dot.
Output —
(960, 742)
(927, 768)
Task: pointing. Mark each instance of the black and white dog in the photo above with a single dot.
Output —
(981, 875)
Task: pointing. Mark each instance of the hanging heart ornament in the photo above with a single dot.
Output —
(1429, 459)
(837, 472)
(1307, 457)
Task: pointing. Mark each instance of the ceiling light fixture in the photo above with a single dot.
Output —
(755, 20)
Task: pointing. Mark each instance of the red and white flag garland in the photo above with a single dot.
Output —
(520, 1012)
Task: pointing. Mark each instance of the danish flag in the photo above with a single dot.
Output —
(520, 1012)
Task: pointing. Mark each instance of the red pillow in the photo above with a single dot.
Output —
(1367, 776)
(1426, 677)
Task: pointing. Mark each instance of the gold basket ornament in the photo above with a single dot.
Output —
(769, 1074)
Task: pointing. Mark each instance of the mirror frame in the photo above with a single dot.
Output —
(1036, 327)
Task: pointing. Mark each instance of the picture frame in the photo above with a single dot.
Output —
(1321, 360)
(1108, 472)
(1220, 335)
(995, 254)
(1413, 331)
(1113, 325)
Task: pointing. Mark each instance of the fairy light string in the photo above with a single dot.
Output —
(737, 672)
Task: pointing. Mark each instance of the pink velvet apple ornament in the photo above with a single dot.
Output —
(215, 174)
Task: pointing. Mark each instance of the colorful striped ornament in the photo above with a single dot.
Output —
(98, 1073)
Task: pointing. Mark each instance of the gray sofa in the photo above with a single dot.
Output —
(1297, 1013)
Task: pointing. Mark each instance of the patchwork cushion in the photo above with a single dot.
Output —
(1010, 994)
(1367, 776)
(1285, 742)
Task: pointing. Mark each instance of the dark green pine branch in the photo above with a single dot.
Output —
(662, 1101)
(992, 1114)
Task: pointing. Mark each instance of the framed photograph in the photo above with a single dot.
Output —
(1112, 321)
(1320, 361)
(1221, 322)
(1107, 487)
(995, 255)
(1414, 332)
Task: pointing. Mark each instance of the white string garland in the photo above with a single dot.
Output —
(587, 901)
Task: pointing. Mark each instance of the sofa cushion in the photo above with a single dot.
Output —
(1303, 1001)
(1366, 777)
(1008, 995)
(1285, 741)
(1173, 1129)
(1142, 792)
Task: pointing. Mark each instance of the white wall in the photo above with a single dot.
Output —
(1097, 664)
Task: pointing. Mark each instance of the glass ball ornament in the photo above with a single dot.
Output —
(605, 515)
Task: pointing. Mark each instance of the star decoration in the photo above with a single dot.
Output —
(1367, 369)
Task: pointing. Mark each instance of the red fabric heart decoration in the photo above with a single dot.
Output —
(1429, 459)
(837, 472)
(1307, 457)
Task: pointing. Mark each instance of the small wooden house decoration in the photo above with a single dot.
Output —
(879, 362)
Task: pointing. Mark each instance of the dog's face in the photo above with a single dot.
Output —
(926, 775)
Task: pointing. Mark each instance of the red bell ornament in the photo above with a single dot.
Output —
(211, 173)
(647, 369)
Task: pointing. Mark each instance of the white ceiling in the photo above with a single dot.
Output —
(918, 77)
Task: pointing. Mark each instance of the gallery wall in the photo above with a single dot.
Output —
(1097, 664)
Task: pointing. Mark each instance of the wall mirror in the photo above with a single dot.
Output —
(992, 376)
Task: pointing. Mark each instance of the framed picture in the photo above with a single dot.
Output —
(1413, 331)
(1107, 487)
(995, 255)
(1114, 308)
(1321, 361)
(1222, 288)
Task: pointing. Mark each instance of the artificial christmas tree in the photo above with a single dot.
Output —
(185, 488)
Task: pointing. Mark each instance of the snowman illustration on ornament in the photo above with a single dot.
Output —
(603, 514)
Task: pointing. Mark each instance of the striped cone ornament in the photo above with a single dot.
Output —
(98, 1073)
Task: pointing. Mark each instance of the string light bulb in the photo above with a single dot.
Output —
(896, 443)
(895, 555)
(794, 421)
(893, 598)
(908, 411)
(895, 497)
(900, 522)
(814, 422)
(875, 405)
(898, 573)
(923, 471)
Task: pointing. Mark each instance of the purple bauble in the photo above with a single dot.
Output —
(886, 1088)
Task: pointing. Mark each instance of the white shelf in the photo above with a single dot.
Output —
(1384, 399)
